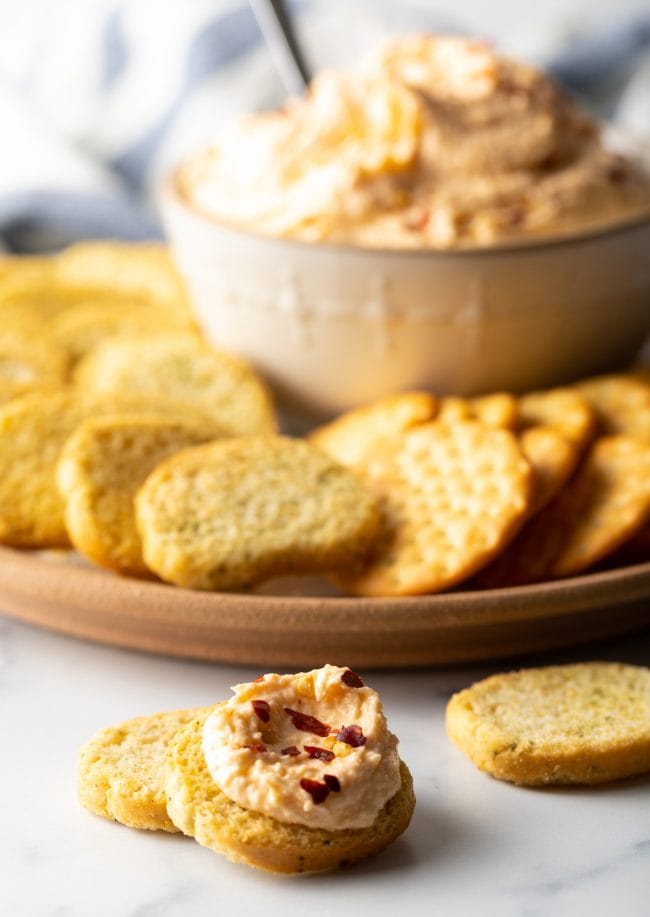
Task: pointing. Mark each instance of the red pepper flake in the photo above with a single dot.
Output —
(321, 754)
(290, 750)
(258, 748)
(307, 723)
(332, 782)
(351, 735)
(317, 790)
(259, 678)
(351, 679)
(262, 710)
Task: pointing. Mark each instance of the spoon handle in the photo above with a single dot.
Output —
(275, 24)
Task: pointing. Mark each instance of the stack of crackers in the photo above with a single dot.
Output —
(125, 435)
(580, 724)
(150, 773)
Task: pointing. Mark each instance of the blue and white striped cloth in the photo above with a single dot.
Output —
(99, 98)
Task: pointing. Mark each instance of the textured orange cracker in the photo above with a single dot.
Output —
(553, 460)
(621, 403)
(603, 505)
(454, 410)
(565, 409)
(355, 437)
(451, 497)
(497, 410)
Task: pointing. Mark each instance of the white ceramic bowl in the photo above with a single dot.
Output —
(334, 326)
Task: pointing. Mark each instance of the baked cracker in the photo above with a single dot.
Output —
(587, 723)
(200, 809)
(102, 466)
(181, 367)
(604, 504)
(235, 512)
(451, 497)
(120, 771)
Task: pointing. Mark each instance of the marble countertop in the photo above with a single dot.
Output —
(475, 846)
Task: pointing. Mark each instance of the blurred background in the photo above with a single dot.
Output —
(98, 99)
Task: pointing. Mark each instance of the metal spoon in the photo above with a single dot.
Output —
(275, 23)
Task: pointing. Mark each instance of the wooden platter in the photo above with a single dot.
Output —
(56, 592)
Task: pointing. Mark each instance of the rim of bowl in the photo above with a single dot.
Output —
(171, 189)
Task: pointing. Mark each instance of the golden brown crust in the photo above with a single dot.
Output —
(451, 496)
(141, 271)
(553, 459)
(183, 368)
(564, 409)
(102, 465)
(604, 504)
(497, 410)
(29, 287)
(355, 437)
(125, 275)
(199, 808)
(621, 404)
(234, 512)
(83, 326)
(587, 723)
(30, 359)
(33, 432)
(120, 770)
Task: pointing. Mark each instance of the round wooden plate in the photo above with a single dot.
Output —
(299, 631)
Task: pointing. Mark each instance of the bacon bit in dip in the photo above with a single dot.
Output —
(307, 723)
(262, 710)
(351, 735)
(351, 679)
(291, 750)
(317, 790)
(321, 754)
(332, 782)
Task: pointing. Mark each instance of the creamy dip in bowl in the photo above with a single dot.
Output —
(444, 218)
(435, 143)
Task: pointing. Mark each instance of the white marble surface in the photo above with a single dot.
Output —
(476, 846)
